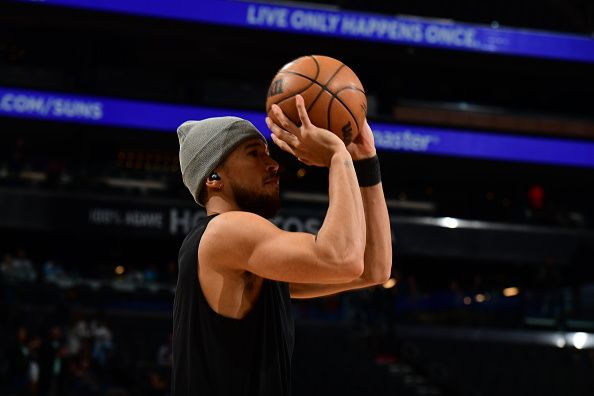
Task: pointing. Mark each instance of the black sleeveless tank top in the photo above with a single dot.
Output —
(215, 355)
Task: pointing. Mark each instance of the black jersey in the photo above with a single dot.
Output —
(215, 355)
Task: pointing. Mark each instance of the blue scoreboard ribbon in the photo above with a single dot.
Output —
(391, 137)
(356, 25)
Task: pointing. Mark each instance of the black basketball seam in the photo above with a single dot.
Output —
(316, 78)
(317, 66)
(317, 82)
(353, 88)
(289, 97)
(329, 113)
(304, 76)
(304, 89)
(298, 123)
(327, 90)
(325, 87)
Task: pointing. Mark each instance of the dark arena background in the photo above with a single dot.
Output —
(483, 115)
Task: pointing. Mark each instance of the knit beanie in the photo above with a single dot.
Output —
(203, 145)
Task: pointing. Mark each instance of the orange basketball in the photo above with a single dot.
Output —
(333, 95)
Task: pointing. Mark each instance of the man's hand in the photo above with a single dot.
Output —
(310, 144)
(364, 145)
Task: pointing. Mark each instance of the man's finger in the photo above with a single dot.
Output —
(302, 111)
(281, 134)
(279, 131)
(283, 120)
(283, 145)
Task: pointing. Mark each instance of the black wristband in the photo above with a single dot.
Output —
(368, 171)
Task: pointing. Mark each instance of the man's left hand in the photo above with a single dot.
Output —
(363, 146)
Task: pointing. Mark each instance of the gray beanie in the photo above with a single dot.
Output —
(204, 144)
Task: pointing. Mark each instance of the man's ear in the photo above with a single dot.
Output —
(214, 181)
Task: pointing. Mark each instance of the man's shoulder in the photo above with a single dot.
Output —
(237, 222)
(231, 237)
(236, 230)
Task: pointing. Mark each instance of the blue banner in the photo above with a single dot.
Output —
(354, 25)
(391, 137)
(106, 111)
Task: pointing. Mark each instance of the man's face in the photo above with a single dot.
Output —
(253, 178)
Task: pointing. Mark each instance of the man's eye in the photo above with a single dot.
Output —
(253, 153)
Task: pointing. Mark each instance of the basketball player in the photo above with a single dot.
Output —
(233, 330)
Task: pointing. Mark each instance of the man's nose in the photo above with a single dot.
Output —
(272, 166)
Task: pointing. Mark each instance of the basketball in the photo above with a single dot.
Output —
(333, 95)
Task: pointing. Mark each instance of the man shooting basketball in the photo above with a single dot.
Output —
(233, 329)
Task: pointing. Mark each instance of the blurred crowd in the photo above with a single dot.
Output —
(43, 364)
(77, 334)
(19, 267)
(78, 356)
(447, 292)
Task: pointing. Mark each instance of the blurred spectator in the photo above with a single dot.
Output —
(21, 268)
(102, 344)
(78, 335)
(7, 266)
(83, 380)
(52, 271)
(164, 353)
(18, 354)
(34, 373)
(52, 361)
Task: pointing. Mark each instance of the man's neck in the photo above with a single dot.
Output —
(219, 205)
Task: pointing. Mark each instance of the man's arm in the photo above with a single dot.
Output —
(378, 248)
(378, 251)
(242, 241)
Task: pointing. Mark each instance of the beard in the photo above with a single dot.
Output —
(261, 203)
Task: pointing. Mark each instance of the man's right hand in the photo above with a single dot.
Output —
(310, 144)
